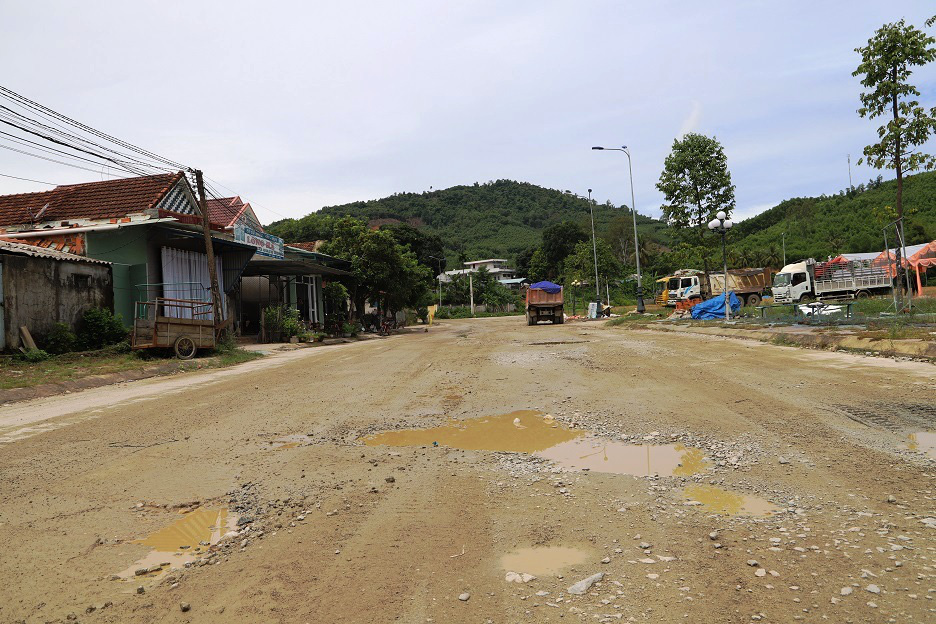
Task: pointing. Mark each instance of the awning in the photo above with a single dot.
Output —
(234, 255)
(259, 265)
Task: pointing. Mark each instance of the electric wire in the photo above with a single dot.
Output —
(6, 175)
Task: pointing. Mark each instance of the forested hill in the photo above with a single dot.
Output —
(495, 219)
(848, 222)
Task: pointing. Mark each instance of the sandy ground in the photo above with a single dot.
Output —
(332, 530)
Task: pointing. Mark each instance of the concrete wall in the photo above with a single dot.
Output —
(126, 248)
(40, 292)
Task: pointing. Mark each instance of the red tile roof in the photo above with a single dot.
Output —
(226, 211)
(309, 246)
(108, 199)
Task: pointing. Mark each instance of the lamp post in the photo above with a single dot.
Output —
(630, 170)
(721, 224)
(783, 235)
(591, 210)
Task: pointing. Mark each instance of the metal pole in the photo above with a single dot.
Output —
(783, 235)
(640, 301)
(591, 209)
(903, 253)
(894, 278)
(724, 254)
(471, 292)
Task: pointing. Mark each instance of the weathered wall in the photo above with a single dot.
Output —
(39, 292)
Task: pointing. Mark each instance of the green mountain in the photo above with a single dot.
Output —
(495, 219)
(849, 222)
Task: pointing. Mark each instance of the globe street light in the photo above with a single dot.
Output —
(721, 224)
(623, 148)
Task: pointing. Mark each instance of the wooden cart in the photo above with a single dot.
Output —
(157, 324)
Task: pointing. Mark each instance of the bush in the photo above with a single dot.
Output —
(36, 355)
(61, 339)
(100, 327)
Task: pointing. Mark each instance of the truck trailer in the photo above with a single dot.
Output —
(748, 285)
(544, 303)
(840, 279)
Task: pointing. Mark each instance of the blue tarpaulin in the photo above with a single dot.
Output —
(547, 286)
(715, 308)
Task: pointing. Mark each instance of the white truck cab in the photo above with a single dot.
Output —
(683, 287)
(792, 283)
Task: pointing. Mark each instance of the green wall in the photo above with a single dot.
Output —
(126, 249)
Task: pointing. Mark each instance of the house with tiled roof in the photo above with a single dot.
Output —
(228, 212)
(147, 227)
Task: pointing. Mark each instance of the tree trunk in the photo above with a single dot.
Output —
(899, 204)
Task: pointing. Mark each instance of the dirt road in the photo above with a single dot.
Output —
(794, 496)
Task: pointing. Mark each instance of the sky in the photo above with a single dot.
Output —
(299, 105)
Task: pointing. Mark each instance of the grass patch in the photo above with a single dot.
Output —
(17, 373)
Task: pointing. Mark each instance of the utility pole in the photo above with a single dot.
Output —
(850, 187)
(591, 210)
(783, 236)
(471, 292)
(209, 248)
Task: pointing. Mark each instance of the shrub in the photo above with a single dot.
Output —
(35, 355)
(100, 327)
(61, 339)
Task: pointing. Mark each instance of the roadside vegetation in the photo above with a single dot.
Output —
(99, 347)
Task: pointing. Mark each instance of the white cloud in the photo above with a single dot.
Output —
(691, 122)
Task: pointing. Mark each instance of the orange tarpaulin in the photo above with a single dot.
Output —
(919, 257)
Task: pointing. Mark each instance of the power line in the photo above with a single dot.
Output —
(60, 162)
(6, 175)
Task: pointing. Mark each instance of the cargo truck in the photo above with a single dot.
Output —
(544, 303)
(748, 285)
(839, 279)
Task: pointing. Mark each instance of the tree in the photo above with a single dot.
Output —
(696, 184)
(559, 241)
(579, 266)
(426, 245)
(887, 63)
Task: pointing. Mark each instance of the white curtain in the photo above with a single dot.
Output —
(186, 276)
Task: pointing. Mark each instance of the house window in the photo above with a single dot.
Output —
(81, 281)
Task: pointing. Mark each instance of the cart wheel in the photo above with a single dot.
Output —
(185, 348)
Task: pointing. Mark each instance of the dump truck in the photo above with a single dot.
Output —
(544, 303)
(749, 285)
(836, 279)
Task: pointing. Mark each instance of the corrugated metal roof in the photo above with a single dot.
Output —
(23, 249)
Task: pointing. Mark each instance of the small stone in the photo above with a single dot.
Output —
(653, 577)
(390, 480)
(606, 560)
(713, 535)
(891, 498)
(753, 563)
(464, 597)
(874, 589)
(645, 545)
(760, 572)
(846, 591)
(185, 607)
(784, 460)
(140, 590)
(584, 585)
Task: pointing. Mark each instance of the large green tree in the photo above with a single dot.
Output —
(696, 185)
(559, 241)
(887, 63)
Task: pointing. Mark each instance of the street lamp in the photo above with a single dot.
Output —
(721, 224)
(591, 209)
(623, 148)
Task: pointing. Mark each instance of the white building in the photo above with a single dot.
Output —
(495, 266)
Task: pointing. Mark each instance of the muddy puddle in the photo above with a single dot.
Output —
(182, 541)
(543, 560)
(638, 460)
(923, 442)
(524, 431)
(721, 501)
